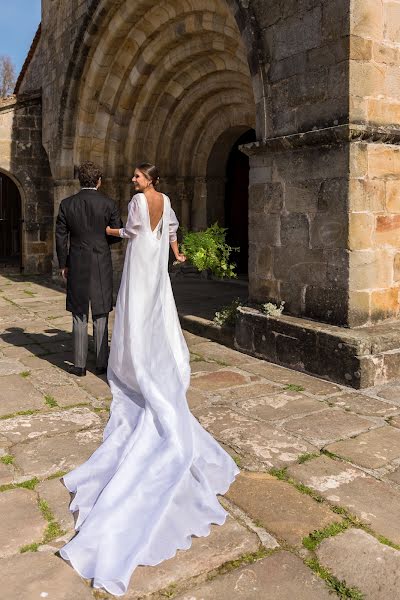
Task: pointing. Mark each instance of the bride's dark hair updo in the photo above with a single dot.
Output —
(150, 172)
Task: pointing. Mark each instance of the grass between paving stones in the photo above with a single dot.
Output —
(52, 531)
(30, 484)
(56, 475)
(315, 538)
(20, 413)
(307, 456)
(30, 293)
(227, 567)
(340, 587)
(7, 459)
(282, 475)
(25, 374)
(293, 387)
(50, 401)
(348, 517)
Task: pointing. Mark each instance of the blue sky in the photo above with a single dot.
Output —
(19, 20)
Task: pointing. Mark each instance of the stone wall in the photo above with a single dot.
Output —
(23, 158)
(305, 52)
(298, 229)
(374, 192)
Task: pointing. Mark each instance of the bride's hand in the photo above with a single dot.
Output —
(180, 258)
(108, 229)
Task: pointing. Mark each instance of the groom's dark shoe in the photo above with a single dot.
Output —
(100, 370)
(78, 371)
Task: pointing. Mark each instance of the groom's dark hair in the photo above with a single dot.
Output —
(89, 174)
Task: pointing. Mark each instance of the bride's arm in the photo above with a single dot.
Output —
(132, 224)
(173, 228)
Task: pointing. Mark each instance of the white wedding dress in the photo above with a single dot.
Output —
(153, 483)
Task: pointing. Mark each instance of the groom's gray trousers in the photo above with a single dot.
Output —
(80, 337)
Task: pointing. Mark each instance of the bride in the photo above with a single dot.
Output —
(153, 483)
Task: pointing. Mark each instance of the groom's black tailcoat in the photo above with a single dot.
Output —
(83, 246)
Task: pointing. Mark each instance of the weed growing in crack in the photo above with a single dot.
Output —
(169, 592)
(7, 459)
(56, 475)
(238, 461)
(29, 548)
(340, 587)
(307, 456)
(293, 387)
(282, 475)
(245, 559)
(331, 455)
(25, 374)
(30, 484)
(20, 413)
(315, 538)
(50, 401)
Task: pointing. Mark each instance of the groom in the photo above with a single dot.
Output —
(86, 263)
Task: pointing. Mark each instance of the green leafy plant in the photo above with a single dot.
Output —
(272, 310)
(208, 250)
(227, 314)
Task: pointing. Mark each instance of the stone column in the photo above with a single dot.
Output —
(199, 205)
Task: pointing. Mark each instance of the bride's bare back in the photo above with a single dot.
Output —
(155, 205)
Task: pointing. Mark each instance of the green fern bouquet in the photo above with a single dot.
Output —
(208, 250)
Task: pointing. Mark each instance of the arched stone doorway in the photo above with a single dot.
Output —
(227, 189)
(10, 222)
(158, 82)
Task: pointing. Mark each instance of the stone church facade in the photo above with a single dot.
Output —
(309, 90)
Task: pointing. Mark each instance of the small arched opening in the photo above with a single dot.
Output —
(10, 223)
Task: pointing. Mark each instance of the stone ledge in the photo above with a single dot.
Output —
(358, 358)
(350, 132)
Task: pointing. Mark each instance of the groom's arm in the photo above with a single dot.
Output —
(62, 234)
(114, 223)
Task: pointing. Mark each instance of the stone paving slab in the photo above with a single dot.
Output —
(7, 474)
(17, 394)
(328, 426)
(312, 385)
(284, 511)
(21, 522)
(50, 376)
(389, 392)
(281, 576)
(360, 560)
(201, 366)
(213, 351)
(224, 378)
(39, 575)
(225, 543)
(363, 405)
(252, 439)
(94, 385)
(375, 502)
(11, 367)
(66, 395)
(245, 392)
(196, 399)
(58, 498)
(21, 351)
(278, 406)
(51, 423)
(44, 456)
(372, 450)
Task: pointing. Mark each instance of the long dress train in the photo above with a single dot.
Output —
(153, 483)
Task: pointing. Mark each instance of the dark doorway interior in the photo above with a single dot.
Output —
(10, 222)
(237, 201)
